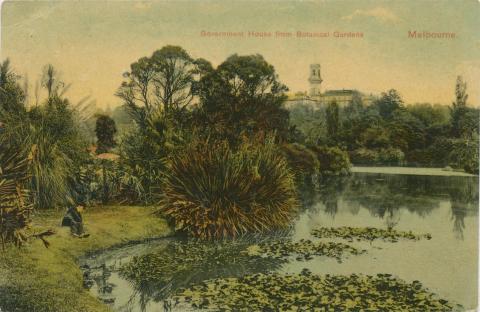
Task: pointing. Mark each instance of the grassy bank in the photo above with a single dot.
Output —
(35, 278)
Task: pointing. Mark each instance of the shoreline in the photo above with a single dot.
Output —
(35, 278)
(421, 171)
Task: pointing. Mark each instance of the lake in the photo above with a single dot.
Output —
(446, 206)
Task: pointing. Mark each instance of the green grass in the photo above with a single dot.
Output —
(34, 278)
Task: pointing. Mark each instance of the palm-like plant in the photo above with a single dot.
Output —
(214, 192)
(14, 209)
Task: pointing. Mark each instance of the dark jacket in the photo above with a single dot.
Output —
(72, 216)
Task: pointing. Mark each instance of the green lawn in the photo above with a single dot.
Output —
(34, 278)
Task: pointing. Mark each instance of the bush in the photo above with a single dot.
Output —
(364, 156)
(465, 154)
(391, 156)
(440, 150)
(302, 160)
(383, 156)
(212, 192)
(333, 161)
(419, 157)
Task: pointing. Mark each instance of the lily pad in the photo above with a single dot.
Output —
(303, 249)
(367, 234)
(182, 264)
(309, 292)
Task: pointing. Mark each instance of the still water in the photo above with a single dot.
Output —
(444, 206)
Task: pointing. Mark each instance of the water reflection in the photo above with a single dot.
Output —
(154, 276)
(385, 195)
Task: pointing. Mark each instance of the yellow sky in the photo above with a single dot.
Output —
(93, 43)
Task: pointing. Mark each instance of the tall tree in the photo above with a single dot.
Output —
(332, 120)
(105, 129)
(242, 98)
(160, 83)
(463, 119)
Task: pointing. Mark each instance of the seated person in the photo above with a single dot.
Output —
(73, 219)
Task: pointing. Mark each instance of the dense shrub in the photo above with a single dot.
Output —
(364, 156)
(439, 151)
(384, 156)
(464, 154)
(213, 192)
(391, 156)
(333, 161)
(302, 160)
(419, 157)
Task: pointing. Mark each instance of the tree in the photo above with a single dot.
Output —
(12, 97)
(162, 82)
(105, 130)
(51, 80)
(242, 98)
(406, 131)
(464, 119)
(332, 121)
(388, 103)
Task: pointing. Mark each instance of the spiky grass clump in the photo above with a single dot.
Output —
(214, 192)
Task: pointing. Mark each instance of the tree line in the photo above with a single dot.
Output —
(389, 132)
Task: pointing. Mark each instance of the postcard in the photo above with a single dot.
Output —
(239, 155)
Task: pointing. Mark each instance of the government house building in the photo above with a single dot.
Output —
(316, 99)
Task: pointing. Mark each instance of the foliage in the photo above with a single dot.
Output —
(310, 123)
(459, 107)
(156, 94)
(145, 149)
(383, 156)
(51, 132)
(105, 130)
(124, 186)
(364, 156)
(241, 99)
(387, 132)
(51, 81)
(391, 156)
(11, 94)
(213, 192)
(465, 154)
(302, 160)
(14, 207)
(160, 83)
(332, 120)
(388, 103)
(333, 161)
(59, 152)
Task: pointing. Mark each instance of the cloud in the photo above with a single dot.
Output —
(381, 14)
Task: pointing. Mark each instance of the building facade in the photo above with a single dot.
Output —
(316, 99)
